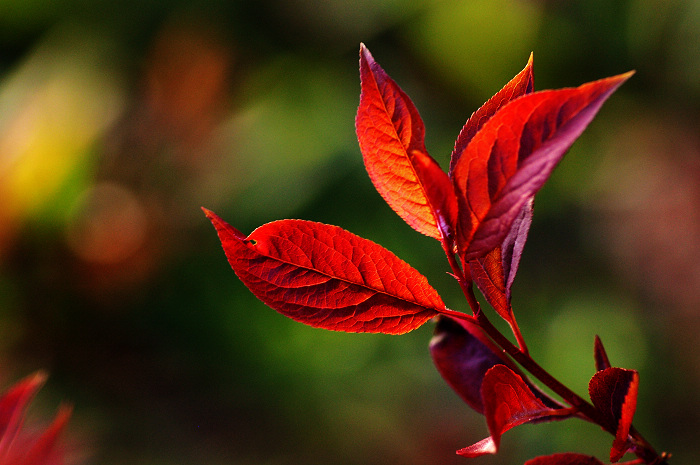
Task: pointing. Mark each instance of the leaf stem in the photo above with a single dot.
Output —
(587, 411)
(641, 448)
(518, 335)
(459, 315)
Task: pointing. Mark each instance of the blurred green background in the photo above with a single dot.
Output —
(118, 120)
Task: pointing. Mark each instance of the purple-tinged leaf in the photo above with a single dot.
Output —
(512, 156)
(463, 355)
(513, 245)
(494, 273)
(601, 357)
(613, 392)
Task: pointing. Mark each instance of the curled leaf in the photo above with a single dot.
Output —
(508, 402)
(463, 355)
(613, 392)
(514, 244)
(326, 277)
(494, 273)
(391, 136)
(489, 275)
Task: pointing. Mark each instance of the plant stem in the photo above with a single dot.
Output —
(642, 449)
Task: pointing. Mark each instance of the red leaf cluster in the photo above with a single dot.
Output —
(480, 211)
(324, 276)
(20, 447)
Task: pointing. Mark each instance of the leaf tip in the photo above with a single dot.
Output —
(211, 216)
(621, 78)
(601, 357)
(365, 54)
(38, 378)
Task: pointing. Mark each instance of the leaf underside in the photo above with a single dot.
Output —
(509, 159)
(613, 392)
(462, 358)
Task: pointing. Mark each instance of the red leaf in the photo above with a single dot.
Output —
(19, 447)
(45, 450)
(564, 459)
(508, 402)
(12, 407)
(463, 355)
(494, 273)
(391, 136)
(521, 84)
(514, 244)
(489, 276)
(613, 391)
(513, 154)
(601, 357)
(326, 277)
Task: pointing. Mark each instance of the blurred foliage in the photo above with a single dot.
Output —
(119, 119)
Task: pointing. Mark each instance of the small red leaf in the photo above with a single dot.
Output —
(513, 154)
(521, 84)
(514, 244)
(601, 357)
(564, 459)
(391, 136)
(508, 402)
(483, 447)
(326, 277)
(488, 274)
(463, 355)
(494, 273)
(613, 391)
